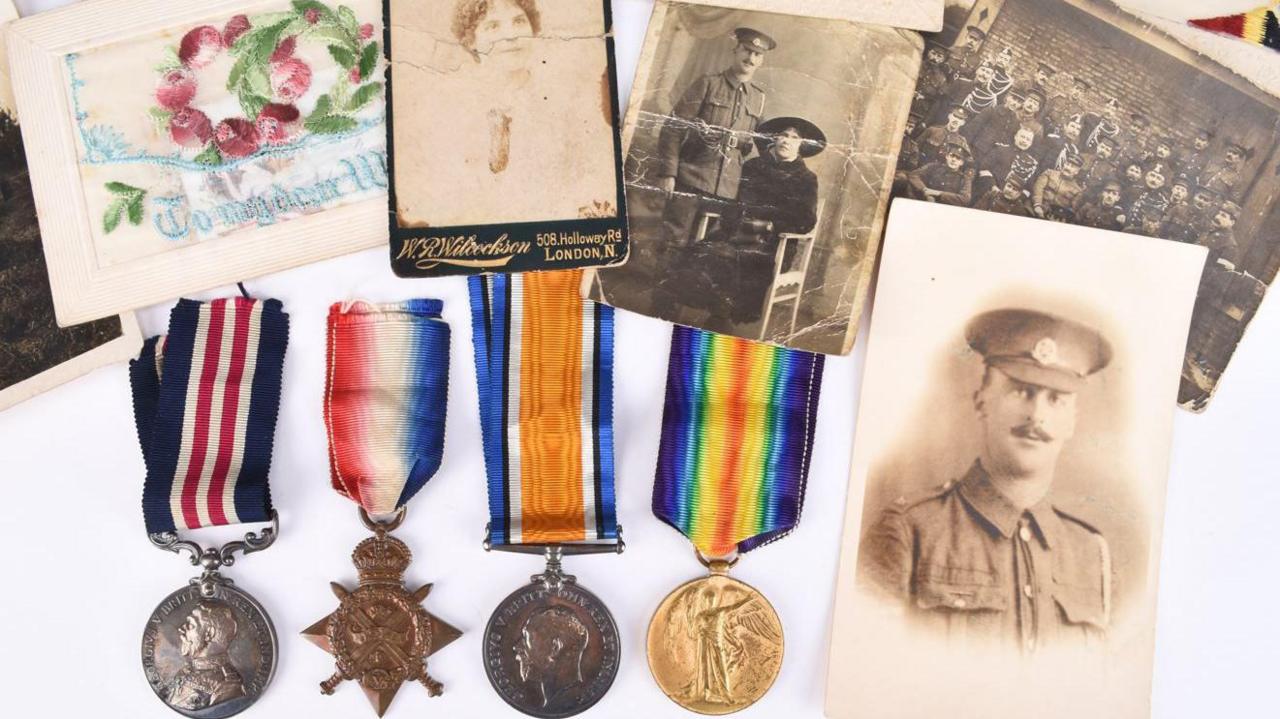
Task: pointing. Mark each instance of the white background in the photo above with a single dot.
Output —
(81, 579)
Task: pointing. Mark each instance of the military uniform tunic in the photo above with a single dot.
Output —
(708, 137)
(966, 562)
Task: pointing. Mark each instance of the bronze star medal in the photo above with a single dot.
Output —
(380, 634)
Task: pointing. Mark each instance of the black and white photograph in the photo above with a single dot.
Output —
(1075, 111)
(1007, 497)
(35, 353)
(758, 163)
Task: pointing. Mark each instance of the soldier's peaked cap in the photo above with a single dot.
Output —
(753, 39)
(814, 139)
(1039, 348)
(976, 31)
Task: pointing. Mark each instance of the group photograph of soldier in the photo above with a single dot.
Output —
(1102, 132)
(759, 149)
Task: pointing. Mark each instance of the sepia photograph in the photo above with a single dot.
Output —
(35, 353)
(1005, 505)
(519, 169)
(1075, 111)
(759, 159)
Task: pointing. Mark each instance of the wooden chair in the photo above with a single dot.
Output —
(788, 282)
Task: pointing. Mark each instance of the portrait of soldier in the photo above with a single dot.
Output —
(207, 676)
(704, 144)
(549, 654)
(991, 556)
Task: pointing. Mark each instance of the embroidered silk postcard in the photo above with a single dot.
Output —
(1003, 526)
(1075, 111)
(36, 354)
(185, 145)
(760, 151)
(503, 143)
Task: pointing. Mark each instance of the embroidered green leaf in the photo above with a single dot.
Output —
(257, 81)
(168, 60)
(364, 95)
(343, 56)
(340, 93)
(368, 59)
(161, 117)
(251, 102)
(111, 218)
(210, 156)
(323, 107)
(347, 18)
(333, 35)
(323, 12)
(119, 188)
(135, 209)
(330, 124)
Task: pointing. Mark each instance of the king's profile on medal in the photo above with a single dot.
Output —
(989, 556)
(207, 677)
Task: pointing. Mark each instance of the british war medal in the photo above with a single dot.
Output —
(384, 408)
(544, 365)
(205, 399)
(737, 429)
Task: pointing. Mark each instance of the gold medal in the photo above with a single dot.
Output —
(715, 644)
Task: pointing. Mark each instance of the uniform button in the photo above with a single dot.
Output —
(959, 603)
(1026, 589)
(1025, 533)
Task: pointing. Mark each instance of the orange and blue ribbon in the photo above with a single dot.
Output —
(205, 399)
(544, 366)
(385, 395)
(737, 435)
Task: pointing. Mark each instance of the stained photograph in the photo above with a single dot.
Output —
(758, 156)
(1073, 111)
(1010, 489)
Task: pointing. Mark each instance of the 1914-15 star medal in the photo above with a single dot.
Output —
(380, 634)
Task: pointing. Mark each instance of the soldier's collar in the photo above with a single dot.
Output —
(1001, 514)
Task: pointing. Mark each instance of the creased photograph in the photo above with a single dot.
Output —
(759, 156)
(1009, 471)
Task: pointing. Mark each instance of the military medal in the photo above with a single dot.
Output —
(737, 429)
(544, 365)
(205, 400)
(384, 408)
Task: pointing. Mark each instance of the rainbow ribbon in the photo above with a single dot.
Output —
(544, 366)
(1256, 26)
(385, 395)
(737, 431)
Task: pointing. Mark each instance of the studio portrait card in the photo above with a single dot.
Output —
(759, 160)
(35, 353)
(180, 146)
(504, 150)
(1003, 526)
(1075, 111)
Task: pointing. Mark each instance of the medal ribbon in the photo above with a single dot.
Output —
(207, 422)
(737, 430)
(385, 395)
(544, 366)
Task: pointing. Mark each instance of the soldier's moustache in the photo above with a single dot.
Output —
(1031, 431)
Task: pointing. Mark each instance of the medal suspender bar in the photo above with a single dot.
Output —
(544, 366)
(386, 390)
(205, 401)
(737, 434)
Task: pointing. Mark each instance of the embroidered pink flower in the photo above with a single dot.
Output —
(354, 75)
(236, 137)
(312, 15)
(366, 31)
(175, 89)
(190, 128)
(200, 46)
(277, 123)
(234, 28)
(285, 49)
(290, 79)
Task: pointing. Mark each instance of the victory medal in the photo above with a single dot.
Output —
(384, 407)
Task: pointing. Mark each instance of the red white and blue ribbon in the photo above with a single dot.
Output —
(385, 395)
(205, 400)
(544, 366)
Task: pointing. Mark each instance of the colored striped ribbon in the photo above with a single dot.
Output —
(385, 395)
(737, 431)
(207, 422)
(1256, 26)
(544, 366)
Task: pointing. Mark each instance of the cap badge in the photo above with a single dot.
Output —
(1045, 352)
